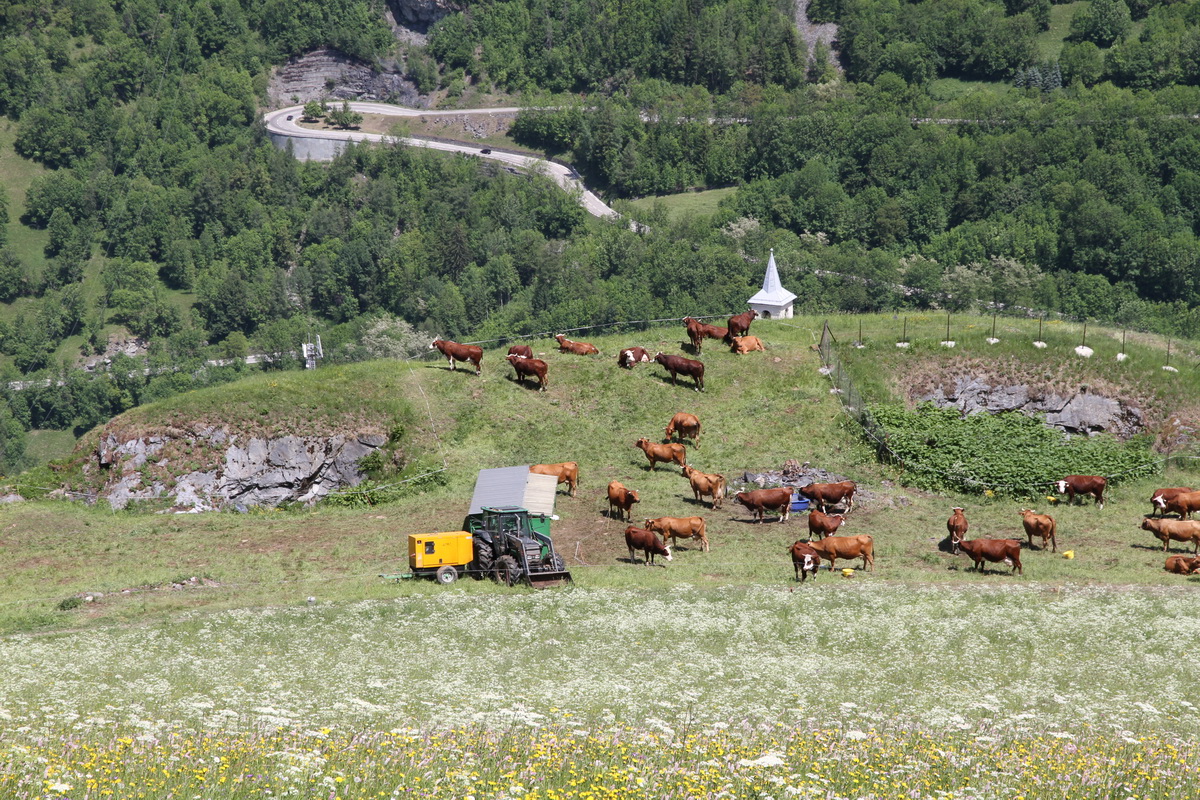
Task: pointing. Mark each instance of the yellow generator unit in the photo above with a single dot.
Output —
(443, 556)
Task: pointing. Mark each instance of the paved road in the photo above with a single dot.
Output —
(278, 123)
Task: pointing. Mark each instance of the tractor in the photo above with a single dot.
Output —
(514, 546)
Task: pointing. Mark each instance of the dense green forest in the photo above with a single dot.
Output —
(1065, 181)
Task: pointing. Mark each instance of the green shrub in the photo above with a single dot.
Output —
(1009, 453)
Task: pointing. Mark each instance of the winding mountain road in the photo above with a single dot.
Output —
(283, 128)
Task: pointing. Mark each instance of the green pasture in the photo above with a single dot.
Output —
(758, 411)
(677, 206)
(1050, 41)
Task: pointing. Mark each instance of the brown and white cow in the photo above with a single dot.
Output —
(667, 453)
(957, 524)
(682, 366)
(747, 344)
(705, 485)
(804, 560)
(1161, 497)
(567, 472)
(1007, 551)
(1182, 565)
(825, 495)
(1042, 525)
(699, 331)
(633, 355)
(1082, 485)
(847, 548)
(1183, 504)
(759, 501)
(522, 350)
(739, 325)
(621, 499)
(453, 351)
(529, 368)
(646, 541)
(673, 528)
(824, 525)
(1177, 530)
(565, 345)
(686, 425)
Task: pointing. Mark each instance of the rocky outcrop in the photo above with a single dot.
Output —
(420, 14)
(254, 472)
(329, 74)
(1082, 412)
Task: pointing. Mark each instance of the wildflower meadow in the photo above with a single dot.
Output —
(868, 690)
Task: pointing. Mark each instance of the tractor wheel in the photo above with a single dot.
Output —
(482, 566)
(559, 564)
(446, 575)
(506, 571)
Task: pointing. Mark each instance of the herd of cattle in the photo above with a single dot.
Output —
(823, 525)
(526, 366)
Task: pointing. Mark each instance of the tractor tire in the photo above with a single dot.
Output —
(505, 570)
(482, 566)
(558, 563)
(446, 575)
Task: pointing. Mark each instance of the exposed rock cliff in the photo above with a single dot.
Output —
(209, 468)
(333, 75)
(1081, 412)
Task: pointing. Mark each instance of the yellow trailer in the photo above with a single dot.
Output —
(443, 555)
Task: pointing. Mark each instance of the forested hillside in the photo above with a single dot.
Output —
(968, 149)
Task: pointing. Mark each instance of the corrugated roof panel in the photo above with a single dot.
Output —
(502, 486)
(540, 492)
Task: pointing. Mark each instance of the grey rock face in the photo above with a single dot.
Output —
(263, 472)
(1082, 413)
(331, 75)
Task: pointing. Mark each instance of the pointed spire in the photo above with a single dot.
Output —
(772, 292)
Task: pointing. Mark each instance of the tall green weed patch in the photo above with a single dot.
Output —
(1008, 453)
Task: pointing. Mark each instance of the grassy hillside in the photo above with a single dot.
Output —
(758, 411)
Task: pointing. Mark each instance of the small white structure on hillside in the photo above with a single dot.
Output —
(772, 301)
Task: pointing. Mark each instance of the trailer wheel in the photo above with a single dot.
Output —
(506, 571)
(446, 575)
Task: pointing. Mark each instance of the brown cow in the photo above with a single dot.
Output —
(993, 550)
(804, 560)
(647, 542)
(957, 524)
(1082, 485)
(686, 425)
(673, 528)
(739, 325)
(699, 331)
(461, 352)
(830, 494)
(522, 350)
(1179, 530)
(683, 366)
(1042, 525)
(529, 368)
(633, 355)
(1182, 565)
(621, 499)
(747, 344)
(824, 525)
(1161, 497)
(1183, 504)
(567, 472)
(845, 548)
(667, 453)
(705, 485)
(759, 500)
(565, 345)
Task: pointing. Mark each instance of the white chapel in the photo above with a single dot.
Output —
(772, 301)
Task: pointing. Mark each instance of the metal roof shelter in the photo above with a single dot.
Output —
(514, 486)
(772, 301)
